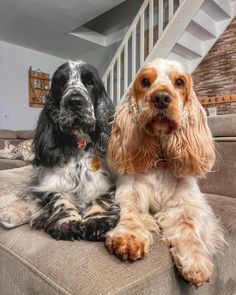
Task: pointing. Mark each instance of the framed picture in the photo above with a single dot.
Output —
(37, 84)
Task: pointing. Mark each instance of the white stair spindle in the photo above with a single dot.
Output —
(118, 79)
(150, 26)
(134, 52)
(160, 18)
(112, 84)
(142, 39)
(127, 36)
(171, 9)
(126, 66)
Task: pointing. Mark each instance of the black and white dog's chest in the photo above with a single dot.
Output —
(85, 177)
(92, 174)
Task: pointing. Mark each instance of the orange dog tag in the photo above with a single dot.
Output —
(95, 163)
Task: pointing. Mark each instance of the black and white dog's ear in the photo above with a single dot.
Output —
(43, 143)
(51, 147)
(104, 111)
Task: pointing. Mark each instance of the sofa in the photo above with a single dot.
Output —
(31, 262)
(14, 138)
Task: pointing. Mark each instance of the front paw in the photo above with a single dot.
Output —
(127, 245)
(196, 270)
(69, 230)
(95, 229)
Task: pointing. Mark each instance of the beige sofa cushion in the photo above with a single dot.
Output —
(9, 164)
(31, 262)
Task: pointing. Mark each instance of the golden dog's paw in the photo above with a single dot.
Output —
(127, 246)
(197, 271)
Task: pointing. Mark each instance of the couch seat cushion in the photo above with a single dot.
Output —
(11, 163)
(31, 262)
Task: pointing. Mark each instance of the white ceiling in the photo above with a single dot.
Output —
(44, 25)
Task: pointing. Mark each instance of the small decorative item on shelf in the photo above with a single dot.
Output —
(39, 85)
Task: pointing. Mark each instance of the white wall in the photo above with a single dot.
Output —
(14, 64)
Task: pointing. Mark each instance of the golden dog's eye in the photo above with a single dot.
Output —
(145, 82)
(179, 82)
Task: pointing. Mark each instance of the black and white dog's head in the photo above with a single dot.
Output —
(77, 101)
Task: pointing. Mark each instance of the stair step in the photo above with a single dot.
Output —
(202, 26)
(199, 32)
(225, 5)
(217, 9)
(185, 52)
(191, 44)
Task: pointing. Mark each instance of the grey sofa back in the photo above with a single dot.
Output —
(222, 179)
(15, 136)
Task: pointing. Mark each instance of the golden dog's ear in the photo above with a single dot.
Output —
(130, 149)
(190, 149)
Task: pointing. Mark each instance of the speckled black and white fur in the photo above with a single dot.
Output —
(76, 198)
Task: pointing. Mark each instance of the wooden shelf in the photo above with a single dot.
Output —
(215, 100)
(39, 85)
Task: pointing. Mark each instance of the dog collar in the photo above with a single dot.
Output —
(81, 144)
(82, 139)
(161, 163)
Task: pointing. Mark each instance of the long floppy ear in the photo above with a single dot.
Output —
(130, 148)
(190, 149)
(104, 111)
(51, 146)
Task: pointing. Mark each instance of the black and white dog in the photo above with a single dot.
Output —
(75, 192)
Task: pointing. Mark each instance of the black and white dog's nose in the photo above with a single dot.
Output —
(161, 100)
(74, 99)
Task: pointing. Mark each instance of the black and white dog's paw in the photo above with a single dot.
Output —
(66, 230)
(95, 229)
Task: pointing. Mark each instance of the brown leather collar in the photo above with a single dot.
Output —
(161, 163)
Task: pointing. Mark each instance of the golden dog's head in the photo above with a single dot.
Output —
(160, 92)
(161, 116)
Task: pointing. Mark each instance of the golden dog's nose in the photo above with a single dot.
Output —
(161, 100)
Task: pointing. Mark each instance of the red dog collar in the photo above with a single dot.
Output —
(81, 143)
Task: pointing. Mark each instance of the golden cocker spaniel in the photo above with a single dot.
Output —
(159, 146)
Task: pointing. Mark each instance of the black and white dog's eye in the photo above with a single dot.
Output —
(90, 83)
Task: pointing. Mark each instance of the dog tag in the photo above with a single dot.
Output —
(95, 163)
